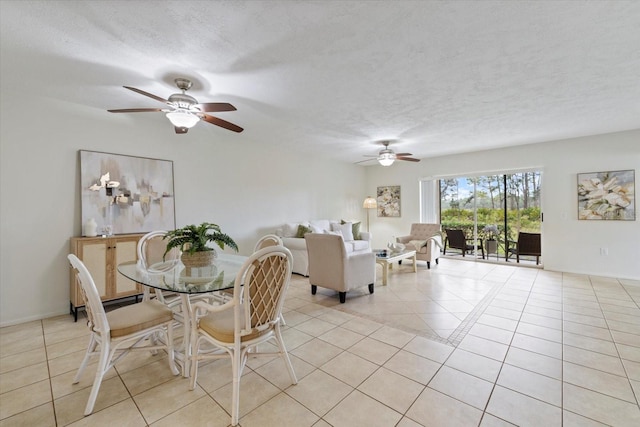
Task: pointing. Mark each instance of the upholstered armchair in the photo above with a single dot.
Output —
(331, 266)
(426, 239)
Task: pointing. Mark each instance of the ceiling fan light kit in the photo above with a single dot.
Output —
(182, 118)
(185, 111)
(386, 156)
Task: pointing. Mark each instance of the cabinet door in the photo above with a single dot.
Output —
(94, 255)
(124, 250)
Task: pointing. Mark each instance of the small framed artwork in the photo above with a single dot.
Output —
(125, 194)
(607, 195)
(388, 198)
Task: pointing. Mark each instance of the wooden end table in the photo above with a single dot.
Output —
(387, 261)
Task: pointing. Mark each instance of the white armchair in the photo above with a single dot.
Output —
(331, 266)
(426, 239)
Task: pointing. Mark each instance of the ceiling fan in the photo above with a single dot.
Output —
(184, 111)
(386, 156)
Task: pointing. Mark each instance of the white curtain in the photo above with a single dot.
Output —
(429, 201)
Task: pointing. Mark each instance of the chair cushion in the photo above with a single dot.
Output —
(219, 326)
(360, 245)
(137, 317)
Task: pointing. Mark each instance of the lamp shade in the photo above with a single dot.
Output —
(370, 203)
(182, 118)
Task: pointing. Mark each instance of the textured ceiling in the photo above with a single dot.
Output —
(333, 77)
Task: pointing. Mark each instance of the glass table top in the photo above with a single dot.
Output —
(173, 276)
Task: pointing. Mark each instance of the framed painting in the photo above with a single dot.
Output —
(388, 199)
(126, 194)
(607, 195)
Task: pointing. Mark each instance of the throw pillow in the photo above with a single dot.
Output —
(302, 230)
(355, 229)
(347, 231)
(344, 229)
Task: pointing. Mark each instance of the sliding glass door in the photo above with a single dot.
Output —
(492, 209)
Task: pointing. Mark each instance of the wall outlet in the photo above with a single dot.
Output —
(604, 251)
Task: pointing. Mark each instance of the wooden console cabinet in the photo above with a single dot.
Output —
(102, 255)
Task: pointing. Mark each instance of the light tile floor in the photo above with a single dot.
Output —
(462, 344)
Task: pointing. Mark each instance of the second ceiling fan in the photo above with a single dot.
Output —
(184, 111)
(387, 156)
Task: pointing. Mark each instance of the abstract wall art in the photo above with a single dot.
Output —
(126, 194)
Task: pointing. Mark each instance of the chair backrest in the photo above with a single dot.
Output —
(262, 284)
(422, 231)
(97, 318)
(151, 248)
(529, 244)
(266, 241)
(456, 239)
(327, 257)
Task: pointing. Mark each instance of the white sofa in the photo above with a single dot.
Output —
(298, 246)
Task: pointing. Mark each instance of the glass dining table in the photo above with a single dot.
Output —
(187, 283)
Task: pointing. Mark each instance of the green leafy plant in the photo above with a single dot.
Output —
(194, 238)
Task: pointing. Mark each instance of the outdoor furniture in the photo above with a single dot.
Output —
(457, 240)
(527, 244)
(426, 240)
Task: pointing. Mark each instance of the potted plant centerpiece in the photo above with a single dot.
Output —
(192, 241)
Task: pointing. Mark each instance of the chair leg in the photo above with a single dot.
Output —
(285, 356)
(170, 351)
(370, 288)
(100, 371)
(235, 394)
(428, 265)
(437, 262)
(343, 297)
(91, 348)
(314, 289)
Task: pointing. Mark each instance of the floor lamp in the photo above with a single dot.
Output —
(369, 203)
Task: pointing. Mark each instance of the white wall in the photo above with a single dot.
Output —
(220, 177)
(568, 245)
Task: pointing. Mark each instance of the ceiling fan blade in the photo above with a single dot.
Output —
(219, 122)
(137, 110)
(150, 95)
(363, 161)
(409, 159)
(403, 154)
(181, 130)
(212, 107)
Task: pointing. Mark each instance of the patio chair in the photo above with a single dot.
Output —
(120, 331)
(251, 318)
(527, 244)
(457, 240)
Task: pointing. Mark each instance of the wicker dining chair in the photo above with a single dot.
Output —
(251, 318)
(116, 333)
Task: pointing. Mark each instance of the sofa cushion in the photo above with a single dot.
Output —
(302, 230)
